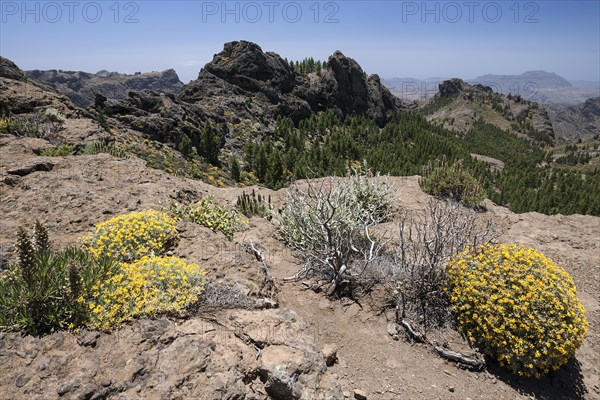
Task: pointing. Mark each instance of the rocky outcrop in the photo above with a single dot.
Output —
(82, 87)
(261, 85)
(9, 70)
(21, 95)
(253, 355)
(458, 105)
(451, 87)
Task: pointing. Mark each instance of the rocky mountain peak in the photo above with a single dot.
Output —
(9, 69)
(455, 85)
(242, 70)
(246, 65)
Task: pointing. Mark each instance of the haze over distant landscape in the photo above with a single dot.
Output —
(391, 38)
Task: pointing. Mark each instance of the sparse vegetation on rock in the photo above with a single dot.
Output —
(253, 204)
(104, 146)
(61, 150)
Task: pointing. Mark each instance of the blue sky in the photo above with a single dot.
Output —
(392, 38)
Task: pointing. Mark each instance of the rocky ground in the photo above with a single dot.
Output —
(259, 352)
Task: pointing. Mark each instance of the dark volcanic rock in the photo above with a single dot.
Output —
(451, 87)
(258, 85)
(8, 69)
(244, 64)
(160, 116)
(82, 87)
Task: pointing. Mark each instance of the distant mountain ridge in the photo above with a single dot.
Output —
(540, 86)
(82, 87)
(510, 83)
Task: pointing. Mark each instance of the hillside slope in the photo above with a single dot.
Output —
(458, 105)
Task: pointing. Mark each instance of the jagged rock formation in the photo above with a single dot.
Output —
(82, 87)
(244, 89)
(576, 122)
(262, 85)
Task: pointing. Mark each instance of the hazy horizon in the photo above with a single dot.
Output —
(391, 38)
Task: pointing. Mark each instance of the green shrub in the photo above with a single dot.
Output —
(131, 236)
(454, 182)
(149, 286)
(20, 126)
(207, 213)
(62, 150)
(517, 306)
(54, 116)
(104, 147)
(253, 204)
(42, 292)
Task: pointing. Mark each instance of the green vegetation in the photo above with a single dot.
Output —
(253, 204)
(451, 181)
(517, 306)
(20, 126)
(104, 146)
(325, 145)
(207, 213)
(210, 144)
(307, 66)
(47, 290)
(185, 146)
(62, 150)
(42, 292)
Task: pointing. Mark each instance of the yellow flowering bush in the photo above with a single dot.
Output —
(131, 236)
(206, 212)
(517, 306)
(147, 286)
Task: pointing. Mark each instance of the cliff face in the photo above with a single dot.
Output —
(82, 87)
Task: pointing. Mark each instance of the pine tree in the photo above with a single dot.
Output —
(234, 168)
(185, 146)
(210, 144)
